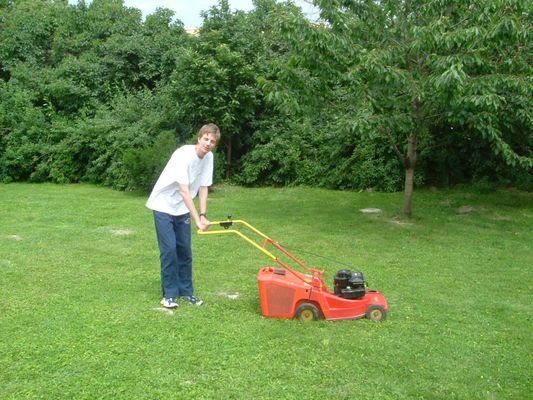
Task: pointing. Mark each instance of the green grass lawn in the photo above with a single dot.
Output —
(80, 315)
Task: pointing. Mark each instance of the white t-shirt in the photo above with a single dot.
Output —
(184, 167)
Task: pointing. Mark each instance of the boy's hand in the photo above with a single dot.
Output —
(203, 224)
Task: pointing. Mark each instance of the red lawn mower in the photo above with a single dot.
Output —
(286, 293)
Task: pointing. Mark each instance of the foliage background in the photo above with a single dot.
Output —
(94, 93)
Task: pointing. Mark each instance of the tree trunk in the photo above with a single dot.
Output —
(228, 159)
(408, 192)
(410, 163)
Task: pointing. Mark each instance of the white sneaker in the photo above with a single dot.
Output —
(169, 303)
(193, 300)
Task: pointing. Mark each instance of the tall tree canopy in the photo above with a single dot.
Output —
(376, 94)
(416, 73)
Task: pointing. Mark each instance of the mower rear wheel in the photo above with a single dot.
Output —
(376, 313)
(307, 312)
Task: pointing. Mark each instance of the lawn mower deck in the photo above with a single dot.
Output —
(289, 294)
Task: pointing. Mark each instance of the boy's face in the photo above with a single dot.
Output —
(206, 143)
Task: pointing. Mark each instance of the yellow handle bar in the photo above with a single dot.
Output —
(228, 223)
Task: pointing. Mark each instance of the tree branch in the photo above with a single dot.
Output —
(400, 155)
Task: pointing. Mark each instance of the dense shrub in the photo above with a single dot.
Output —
(142, 166)
(293, 153)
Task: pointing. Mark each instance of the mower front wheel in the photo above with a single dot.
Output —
(307, 312)
(376, 313)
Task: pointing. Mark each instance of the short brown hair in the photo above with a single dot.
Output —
(211, 129)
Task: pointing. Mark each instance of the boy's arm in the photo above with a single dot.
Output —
(187, 199)
(202, 195)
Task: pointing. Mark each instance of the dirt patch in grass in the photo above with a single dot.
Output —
(398, 221)
(465, 210)
(15, 238)
(164, 310)
(230, 295)
(371, 210)
(121, 232)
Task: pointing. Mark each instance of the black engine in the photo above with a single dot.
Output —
(349, 285)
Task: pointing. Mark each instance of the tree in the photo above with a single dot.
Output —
(405, 67)
(73, 88)
(26, 31)
(215, 79)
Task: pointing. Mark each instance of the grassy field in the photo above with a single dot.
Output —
(80, 315)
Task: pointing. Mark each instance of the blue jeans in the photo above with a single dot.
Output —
(174, 239)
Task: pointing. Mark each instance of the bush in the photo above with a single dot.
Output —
(143, 166)
(325, 156)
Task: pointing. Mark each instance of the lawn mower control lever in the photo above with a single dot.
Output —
(226, 224)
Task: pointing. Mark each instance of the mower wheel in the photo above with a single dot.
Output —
(307, 312)
(376, 313)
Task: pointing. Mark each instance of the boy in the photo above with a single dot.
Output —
(188, 173)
